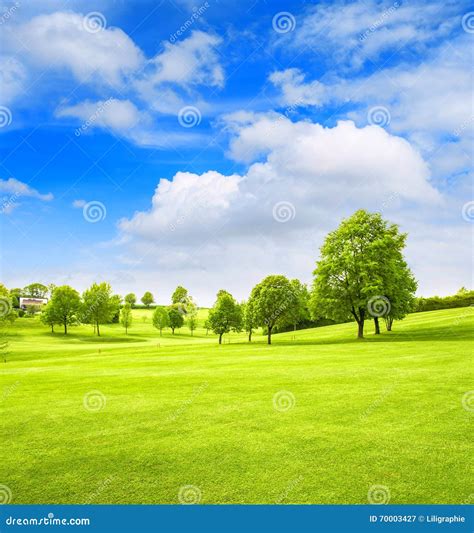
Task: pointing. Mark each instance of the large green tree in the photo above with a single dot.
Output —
(7, 314)
(64, 306)
(160, 319)
(274, 301)
(225, 315)
(99, 305)
(358, 263)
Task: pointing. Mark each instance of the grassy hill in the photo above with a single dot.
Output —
(318, 417)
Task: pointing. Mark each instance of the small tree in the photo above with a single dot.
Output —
(126, 317)
(100, 305)
(207, 325)
(49, 316)
(180, 295)
(176, 319)
(248, 315)
(191, 315)
(300, 310)
(161, 319)
(65, 305)
(131, 299)
(226, 315)
(273, 301)
(36, 290)
(147, 299)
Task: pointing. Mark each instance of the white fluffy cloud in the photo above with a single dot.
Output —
(303, 179)
(117, 115)
(184, 65)
(13, 76)
(352, 33)
(61, 40)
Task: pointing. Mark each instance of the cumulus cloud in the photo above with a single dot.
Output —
(217, 225)
(295, 91)
(185, 65)
(61, 40)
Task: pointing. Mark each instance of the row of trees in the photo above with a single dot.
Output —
(361, 275)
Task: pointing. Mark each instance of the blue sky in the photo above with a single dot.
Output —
(209, 144)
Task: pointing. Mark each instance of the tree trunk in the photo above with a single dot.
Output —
(220, 338)
(52, 328)
(98, 330)
(172, 331)
(360, 332)
(126, 330)
(65, 327)
(389, 323)
(269, 341)
(250, 336)
(377, 325)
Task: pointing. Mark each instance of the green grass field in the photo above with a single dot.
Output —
(318, 417)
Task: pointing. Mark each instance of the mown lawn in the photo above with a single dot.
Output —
(182, 411)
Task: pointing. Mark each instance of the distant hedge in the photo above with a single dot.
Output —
(461, 299)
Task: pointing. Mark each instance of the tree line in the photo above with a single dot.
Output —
(361, 275)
